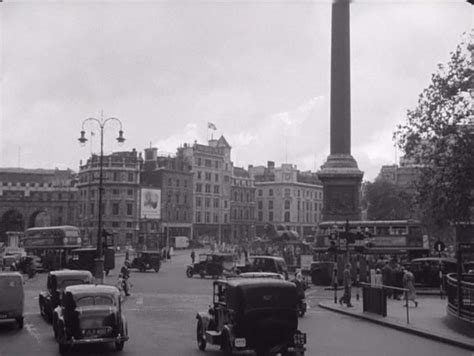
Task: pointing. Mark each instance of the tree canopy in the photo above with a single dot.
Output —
(438, 135)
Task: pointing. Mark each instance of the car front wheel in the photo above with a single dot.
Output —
(201, 341)
(119, 345)
(189, 272)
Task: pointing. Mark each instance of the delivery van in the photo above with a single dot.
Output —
(12, 297)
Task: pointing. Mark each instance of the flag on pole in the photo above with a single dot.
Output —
(211, 126)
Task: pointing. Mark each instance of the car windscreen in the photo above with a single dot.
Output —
(90, 300)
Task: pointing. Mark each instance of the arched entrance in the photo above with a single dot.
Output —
(39, 218)
(12, 220)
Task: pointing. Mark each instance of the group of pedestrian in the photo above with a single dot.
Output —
(394, 275)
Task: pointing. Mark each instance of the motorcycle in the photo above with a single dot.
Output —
(123, 285)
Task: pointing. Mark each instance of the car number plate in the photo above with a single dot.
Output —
(95, 332)
(3, 316)
(300, 339)
(240, 342)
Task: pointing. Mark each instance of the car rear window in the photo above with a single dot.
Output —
(94, 300)
(269, 297)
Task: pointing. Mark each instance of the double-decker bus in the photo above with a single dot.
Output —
(385, 237)
(53, 244)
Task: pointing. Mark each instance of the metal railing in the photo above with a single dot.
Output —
(461, 296)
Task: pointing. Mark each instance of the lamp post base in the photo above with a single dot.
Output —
(99, 270)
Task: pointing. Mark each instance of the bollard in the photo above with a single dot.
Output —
(358, 277)
(406, 306)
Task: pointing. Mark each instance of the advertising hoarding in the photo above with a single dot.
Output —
(150, 207)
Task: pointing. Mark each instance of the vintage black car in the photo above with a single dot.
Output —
(55, 284)
(265, 264)
(212, 264)
(90, 314)
(146, 260)
(84, 258)
(252, 314)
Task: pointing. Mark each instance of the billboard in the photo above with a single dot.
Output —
(150, 207)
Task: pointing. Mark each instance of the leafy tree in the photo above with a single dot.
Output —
(386, 201)
(438, 136)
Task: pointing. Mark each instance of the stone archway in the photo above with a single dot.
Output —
(39, 218)
(12, 220)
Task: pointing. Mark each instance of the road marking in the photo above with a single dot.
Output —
(33, 331)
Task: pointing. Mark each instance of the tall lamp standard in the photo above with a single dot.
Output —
(99, 260)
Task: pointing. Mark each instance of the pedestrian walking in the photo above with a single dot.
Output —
(409, 283)
(193, 256)
(347, 281)
(387, 274)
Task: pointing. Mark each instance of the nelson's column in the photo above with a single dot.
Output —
(340, 175)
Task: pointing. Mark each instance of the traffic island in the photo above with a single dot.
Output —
(428, 320)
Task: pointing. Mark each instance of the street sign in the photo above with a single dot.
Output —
(439, 246)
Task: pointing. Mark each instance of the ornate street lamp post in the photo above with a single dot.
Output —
(99, 260)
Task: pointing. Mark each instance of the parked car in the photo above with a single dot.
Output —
(252, 314)
(212, 264)
(84, 258)
(426, 270)
(55, 284)
(12, 297)
(146, 260)
(265, 264)
(90, 314)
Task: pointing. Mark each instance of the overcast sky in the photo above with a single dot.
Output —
(258, 70)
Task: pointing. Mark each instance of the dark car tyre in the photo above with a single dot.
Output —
(201, 341)
(41, 308)
(119, 345)
(189, 272)
(226, 345)
(20, 322)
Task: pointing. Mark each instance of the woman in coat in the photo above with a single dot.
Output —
(409, 283)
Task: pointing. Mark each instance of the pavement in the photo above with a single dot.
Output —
(428, 320)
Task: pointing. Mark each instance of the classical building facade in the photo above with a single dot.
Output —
(288, 197)
(120, 199)
(242, 206)
(172, 175)
(212, 179)
(36, 197)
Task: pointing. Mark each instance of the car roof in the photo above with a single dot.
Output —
(270, 258)
(71, 273)
(92, 289)
(428, 259)
(261, 275)
(11, 274)
(252, 282)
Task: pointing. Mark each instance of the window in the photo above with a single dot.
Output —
(185, 198)
(199, 161)
(168, 198)
(129, 224)
(225, 204)
(225, 218)
(270, 204)
(177, 197)
(216, 218)
(115, 208)
(207, 202)
(177, 182)
(116, 176)
(260, 204)
(216, 177)
(217, 164)
(115, 224)
(287, 192)
(260, 216)
(198, 201)
(226, 179)
(170, 182)
(208, 217)
(260, 192)
(208, 188)
(216, 202)
(208, 163)
(270, 216)
(185, 183)
(199, 174)
(129, 192)
(208, 176)
(129, 208)
(198, 216)
(130, 177)
(198, 187)
(115, 191)
(216, 189)
(270, 192)
(176, 215)
(287, 204)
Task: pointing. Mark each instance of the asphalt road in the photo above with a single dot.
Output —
(161, 317)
